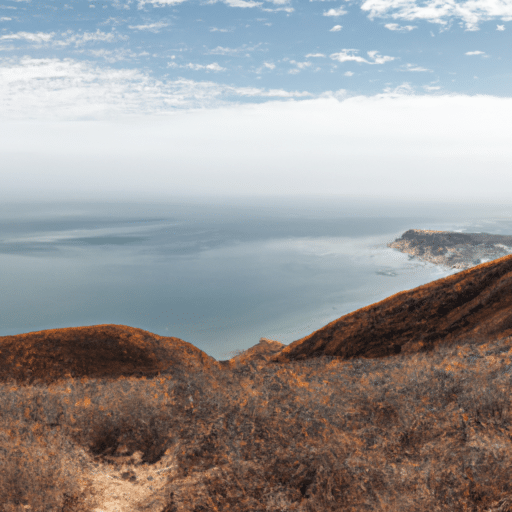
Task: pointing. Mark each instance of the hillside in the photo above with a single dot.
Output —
(257, 354)
(97, 351)
(475, 303)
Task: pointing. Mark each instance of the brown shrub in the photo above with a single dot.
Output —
(423, 431)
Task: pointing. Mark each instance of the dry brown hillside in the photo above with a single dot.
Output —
(258, 354)
(97, 351)
(475, 303)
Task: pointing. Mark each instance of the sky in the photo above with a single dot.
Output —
(146, 98)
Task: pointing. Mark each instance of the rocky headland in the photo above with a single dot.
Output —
(453, 249)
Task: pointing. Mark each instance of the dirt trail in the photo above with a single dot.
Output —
(126, 485)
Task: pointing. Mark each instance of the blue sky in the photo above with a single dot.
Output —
(250, 50)
(340, 96)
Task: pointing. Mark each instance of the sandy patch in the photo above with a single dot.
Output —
(123, 484)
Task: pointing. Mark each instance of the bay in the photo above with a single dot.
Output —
(218, 272)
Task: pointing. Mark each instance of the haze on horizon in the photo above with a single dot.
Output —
(164, 98)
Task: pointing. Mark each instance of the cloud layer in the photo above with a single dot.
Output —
(70, 89)
(385, 145)
(255, 96)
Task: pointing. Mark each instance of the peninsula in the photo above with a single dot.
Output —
(453, 249)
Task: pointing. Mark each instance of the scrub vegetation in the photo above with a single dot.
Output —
(427, 431)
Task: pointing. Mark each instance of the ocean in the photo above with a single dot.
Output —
(219, 273)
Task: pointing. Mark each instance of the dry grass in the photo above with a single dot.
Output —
(410, 432)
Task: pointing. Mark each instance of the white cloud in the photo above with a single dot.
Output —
(215, 67)
(5, 18)
(158, 3)
(244, 49)
(117, 4)
(431, 88)
(215, 29)
(208, 67)
(116, 55)
(379, 59)
(335, 12)
(405, 89)
(82, 38)
(37, 37)
(414, 67)
(285, 9)
(221, 50)
(242, 3)
(347, 55)
(314, 54)
(373, 146)
(399, 28)
(283, 5)
(230, 3)
(237, 3)
(500, 27)
(349, 73)
(269, 65)
(271, 93)
(477, 52)
(68, 89)
(471, 12)
(67, 38)
(113, 20)
(336, 28)
(151, 27)
(300, 66)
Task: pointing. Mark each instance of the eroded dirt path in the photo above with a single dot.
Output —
(124, 484)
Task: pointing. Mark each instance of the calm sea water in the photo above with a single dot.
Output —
(218, 273)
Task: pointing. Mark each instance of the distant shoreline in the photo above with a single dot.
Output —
(453, 249)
